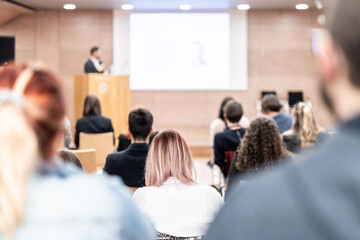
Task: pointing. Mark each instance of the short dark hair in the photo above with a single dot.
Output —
(92, 105)
(223, 103)
(140, 123)
(70, 157)
(343, 25)
(94, 49)
(270, 103)
(233, 111)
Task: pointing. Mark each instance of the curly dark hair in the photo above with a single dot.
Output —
(262, 146)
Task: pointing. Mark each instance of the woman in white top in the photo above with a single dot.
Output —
(219, 125)
(177, 205)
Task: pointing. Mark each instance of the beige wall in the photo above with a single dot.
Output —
(279, 57)
(61, 40)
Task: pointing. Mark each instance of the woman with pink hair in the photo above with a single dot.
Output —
(178, 206)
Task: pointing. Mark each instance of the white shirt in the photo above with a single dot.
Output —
(96, 64)
(179, 209)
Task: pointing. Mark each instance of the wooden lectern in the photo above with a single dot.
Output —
(114, 95)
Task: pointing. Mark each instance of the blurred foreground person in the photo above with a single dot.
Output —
(317, 198)
(62, 202)
(179, 207)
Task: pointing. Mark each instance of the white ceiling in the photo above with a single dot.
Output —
(166, 4)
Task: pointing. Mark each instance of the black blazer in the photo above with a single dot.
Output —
(92, 124)
(90, 67)
(129, 164)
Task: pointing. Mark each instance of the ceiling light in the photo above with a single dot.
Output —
(69, 6)
(127, 7)
(185, 7)
(302, 6)
(243, 6)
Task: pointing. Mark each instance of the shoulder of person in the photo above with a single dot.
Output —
(219, 135)
(217, 122)
(139, 195)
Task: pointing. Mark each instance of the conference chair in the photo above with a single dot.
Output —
(102, 142)
(87, 159)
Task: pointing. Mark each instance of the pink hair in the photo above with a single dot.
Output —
(169, 156)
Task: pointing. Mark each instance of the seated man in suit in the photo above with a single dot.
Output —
(93, 64)
(130, 163)
(271, 106)
(226, 143)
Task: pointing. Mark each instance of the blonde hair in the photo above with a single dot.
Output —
(18, 153)
(305, 124)
(169, 156)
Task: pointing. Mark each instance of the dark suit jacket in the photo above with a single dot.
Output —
(92, 124)
(129, 164)
(225, 141)
(90, 67)
(315, 198)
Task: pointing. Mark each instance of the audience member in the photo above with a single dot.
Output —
(318, 197)
(271, 106)
(130, 163)
(305, 132)
(18, 152)
(219, 124)
(69, 157)
(226, 142)
(92, 120)
(125, 137)
(94, 64)
(260, 149)
(179, 207)
(62, 202)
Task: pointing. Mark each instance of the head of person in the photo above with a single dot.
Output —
(169, 156)
(233, 112)
(304, 123)
(262, 146)
(45, 103)
(91, 105)
(140, 124)
(18, 154)
(95, 52)
(338, 59)
(70, 157)
(223, 103)
(270, 104)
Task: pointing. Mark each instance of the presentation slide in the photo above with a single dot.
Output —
(179, 51)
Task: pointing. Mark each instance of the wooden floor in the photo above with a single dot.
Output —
(205, 174)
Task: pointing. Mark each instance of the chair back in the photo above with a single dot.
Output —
(87, 159)
(102, 142)
(229, 155)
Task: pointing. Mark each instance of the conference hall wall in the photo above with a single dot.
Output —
(279, 57)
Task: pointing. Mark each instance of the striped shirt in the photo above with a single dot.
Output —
(284, 121)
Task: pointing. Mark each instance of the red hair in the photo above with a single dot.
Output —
(169, 156)
(44, 102)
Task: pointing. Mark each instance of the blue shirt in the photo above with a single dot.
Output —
(65, 203)
(284, 121)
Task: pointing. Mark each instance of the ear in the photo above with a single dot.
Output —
(327, 60)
